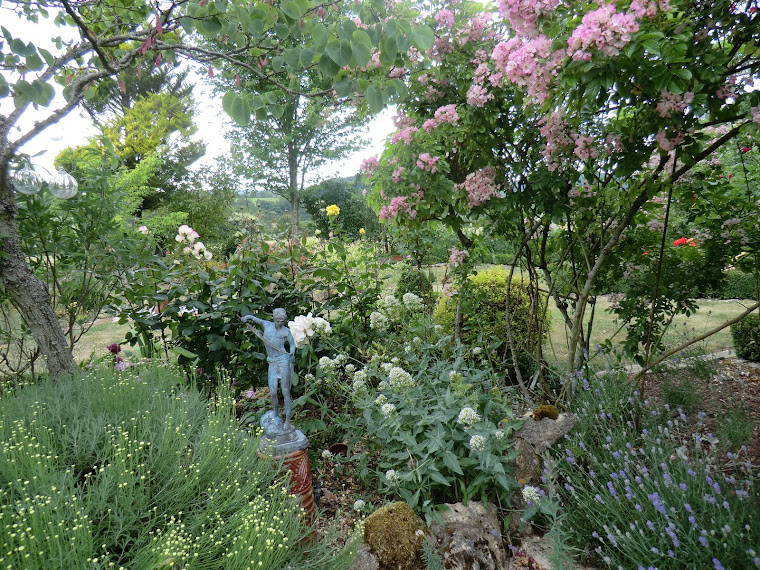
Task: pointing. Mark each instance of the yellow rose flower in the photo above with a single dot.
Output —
(332, 210)
(362, 232)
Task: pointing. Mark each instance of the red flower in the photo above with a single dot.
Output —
(746, 149)
(680, 241)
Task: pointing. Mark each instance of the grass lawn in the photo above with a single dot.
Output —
(711, 314)
(95, 341)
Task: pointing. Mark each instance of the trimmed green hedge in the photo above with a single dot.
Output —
(746, 337)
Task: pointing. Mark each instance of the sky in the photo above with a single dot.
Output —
(76, 128)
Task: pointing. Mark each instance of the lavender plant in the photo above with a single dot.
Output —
(643, 486)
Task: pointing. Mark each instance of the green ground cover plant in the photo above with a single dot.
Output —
(129, 469)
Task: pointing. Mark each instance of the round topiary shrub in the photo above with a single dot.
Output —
(412, 280)
(484, 312)
(746, 337)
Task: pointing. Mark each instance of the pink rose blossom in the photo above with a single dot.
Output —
(447, 114)
(427, 162)
(398, 174)
(445, 18)
(458, 256)
(368, 165)
(603, 29)
(480, 186)
(404, 134)
(477, 96)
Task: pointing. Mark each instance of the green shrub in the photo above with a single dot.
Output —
(484, 310)
(746, 337)
(736, 285)
(433, 423)
(412, 280)
(128, 469)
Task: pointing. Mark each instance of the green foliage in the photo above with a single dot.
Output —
(129, 469)
(432, 419)
(647, 490)
(680, 394)
(412, 280)
(746, 337)
(488, 303)
(735, 428)
(736, 285)
(355, 214)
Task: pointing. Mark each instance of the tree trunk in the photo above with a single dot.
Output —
(295, 196)
(29, 293)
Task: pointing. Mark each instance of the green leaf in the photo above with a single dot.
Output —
(292, 56)
(652, 46)
(344, 87)
(292, 10)
(209, 26)
(44, 93)
(220, 5)
(320, 35)
(47, 56)
(340, 52)
(4, 90)
(362, 55)
(184, 352)
(684, 74)
(328, 66)
(282, 31)
(33, 62)
(375, 99)
(256, 27)
(307, 56)
(362, 37)
(423, 37)
(436, 476)
(451, 462)
(237, 108)
(388, 51)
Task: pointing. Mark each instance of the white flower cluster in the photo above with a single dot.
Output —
(360, 381)
(327, 454)
(187, 235)
(378, 321)
(477, 442)
(359, 505)
(304, 327)
(467, 416)
(400, 378)
(327, 364)
(380, 400)
(413, 302)
(498, 434)
(184, 310)
(393, 477)
(388, 409)
(392, 307)
(531, 494)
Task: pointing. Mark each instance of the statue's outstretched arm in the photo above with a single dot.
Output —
(256, 320)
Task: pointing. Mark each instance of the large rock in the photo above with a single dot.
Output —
(469, 537)
(535, 437)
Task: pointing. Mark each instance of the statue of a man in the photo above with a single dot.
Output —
(280, 360)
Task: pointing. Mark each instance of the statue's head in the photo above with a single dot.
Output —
(280, 316)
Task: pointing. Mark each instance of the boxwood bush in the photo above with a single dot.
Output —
(746, 337)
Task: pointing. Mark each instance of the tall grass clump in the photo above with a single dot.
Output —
(132, 470)
(644, 487)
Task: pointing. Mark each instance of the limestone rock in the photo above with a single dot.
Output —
(469, 537)
(544, 433)
(365, 560)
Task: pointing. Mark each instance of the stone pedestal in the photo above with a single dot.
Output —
(290, 447)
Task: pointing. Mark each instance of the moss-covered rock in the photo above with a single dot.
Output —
(394, 534)
(545, 411)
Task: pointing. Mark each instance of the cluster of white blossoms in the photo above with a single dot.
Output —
(359, 505)
(388, 409)
(360, 381)
(378, 321)
(187, 235)
(413, 302)
(327, 364)
(531, 494)
(303, 327)
(380, 400)
(467, 416)
(400, 378)
(477, 442)
(393, 477)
